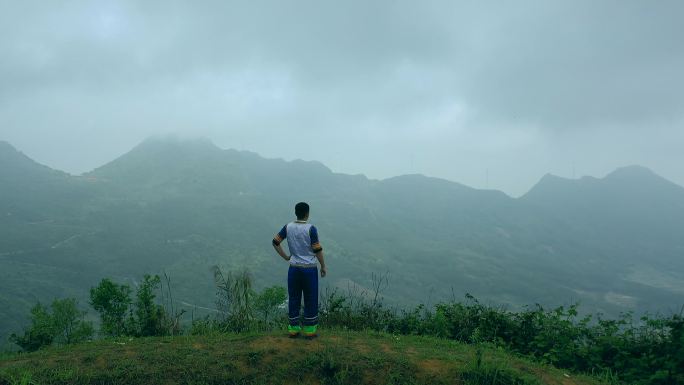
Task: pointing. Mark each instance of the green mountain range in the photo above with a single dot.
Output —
(181, 206)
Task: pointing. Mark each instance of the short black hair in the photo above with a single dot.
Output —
(301, 210)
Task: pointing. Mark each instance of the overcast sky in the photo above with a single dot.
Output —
(457, 90)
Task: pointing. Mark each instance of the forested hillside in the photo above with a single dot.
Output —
(614, 244)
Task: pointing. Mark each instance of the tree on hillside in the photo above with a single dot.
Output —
(112, 301)
(267, 302)
(121, 316)
(69, 324)
(65, 324)
(150, 317)
(40, 332)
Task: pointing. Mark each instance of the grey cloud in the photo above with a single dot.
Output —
(440, 87)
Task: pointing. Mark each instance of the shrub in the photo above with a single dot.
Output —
(113, 302)
(121, 316)
(64, 325)
(648, 351)
(234, 299)
(150, 317)
(69, 324)
(267, 302)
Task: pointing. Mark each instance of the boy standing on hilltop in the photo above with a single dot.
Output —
(302, 277)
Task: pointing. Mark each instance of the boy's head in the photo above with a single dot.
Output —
(302, 210)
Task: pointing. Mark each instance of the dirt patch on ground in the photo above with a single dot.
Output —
(272, 342)
(15, 362)
(100, 362)
(433, 367)
(277, 346)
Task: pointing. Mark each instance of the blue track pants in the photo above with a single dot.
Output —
(303, 280)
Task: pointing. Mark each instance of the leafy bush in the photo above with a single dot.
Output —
(121, 316)
(267, 302)
(150, 317)
(647, 351)
(357, 309)
(241, 308)
(207, 326)
(234, 299)
(64, 325)
(112, 301)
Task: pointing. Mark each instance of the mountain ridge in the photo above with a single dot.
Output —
(165, 144)
(181, 211)
(10, 156)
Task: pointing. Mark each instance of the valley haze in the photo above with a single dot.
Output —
(180, 206)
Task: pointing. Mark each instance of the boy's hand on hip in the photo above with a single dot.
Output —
(324, 271)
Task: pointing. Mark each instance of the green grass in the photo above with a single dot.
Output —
(336, 357)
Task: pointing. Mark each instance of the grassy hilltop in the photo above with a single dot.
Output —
(336, 357)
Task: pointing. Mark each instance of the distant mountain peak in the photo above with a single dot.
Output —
(415, 178)
(170, 147)
(633, 171)
(9, 152)
(549, 185)
(628, 177)
(159, 154)
(173, 142)
(551, 177)
(425, 183)
(6, 146)
(16, 162)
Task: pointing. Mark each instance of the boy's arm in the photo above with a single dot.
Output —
(317, 249)
(321, 260)
(279, 249)
(282, 234)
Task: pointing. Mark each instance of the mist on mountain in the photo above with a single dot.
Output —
(613, 244)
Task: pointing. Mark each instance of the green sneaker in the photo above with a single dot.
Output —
(294, 330)
(310, 331)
